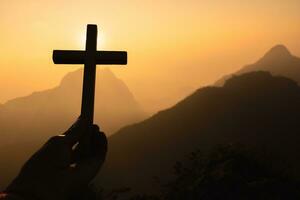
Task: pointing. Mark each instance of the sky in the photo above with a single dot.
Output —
(173, 46)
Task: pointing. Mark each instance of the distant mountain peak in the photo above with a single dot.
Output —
(278, 60)
(277, 52)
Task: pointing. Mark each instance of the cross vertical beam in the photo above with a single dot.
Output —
(89, 75)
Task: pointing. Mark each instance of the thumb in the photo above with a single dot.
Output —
(76, 131)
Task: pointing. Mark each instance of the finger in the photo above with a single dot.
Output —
(54, 142)
(99, 143)
(54, 153)
(76, 131)
(84, 148)
(88, 167)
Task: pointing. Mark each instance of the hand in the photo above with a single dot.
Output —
(63, 166)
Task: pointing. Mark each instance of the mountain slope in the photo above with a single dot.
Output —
(278, 61)
(61, 105)
(255, 109)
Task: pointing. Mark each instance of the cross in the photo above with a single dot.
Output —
(90, 58)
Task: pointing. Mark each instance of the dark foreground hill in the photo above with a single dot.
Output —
(278, 61)
(27, 122)
(256, 109)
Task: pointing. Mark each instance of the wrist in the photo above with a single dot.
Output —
(30, 190)
(23, 190)
(10, 196)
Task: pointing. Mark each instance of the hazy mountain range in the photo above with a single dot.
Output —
(257, 109)
(115, 105)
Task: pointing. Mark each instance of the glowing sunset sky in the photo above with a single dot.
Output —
(172, 45)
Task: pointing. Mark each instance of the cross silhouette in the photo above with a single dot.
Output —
(90, 58)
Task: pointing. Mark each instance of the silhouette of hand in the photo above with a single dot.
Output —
(62, 167)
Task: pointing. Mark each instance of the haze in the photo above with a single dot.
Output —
(173, 47)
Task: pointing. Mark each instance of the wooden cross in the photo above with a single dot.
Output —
(90, 58)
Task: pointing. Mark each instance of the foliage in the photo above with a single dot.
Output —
(229, 172)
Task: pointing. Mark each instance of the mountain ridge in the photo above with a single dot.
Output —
(278, 60)
(71, 87)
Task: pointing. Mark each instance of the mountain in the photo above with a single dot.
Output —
(278, 61)
(27, 122)
(255, 109)
(61, 105)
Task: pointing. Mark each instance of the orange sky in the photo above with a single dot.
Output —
(171, 45)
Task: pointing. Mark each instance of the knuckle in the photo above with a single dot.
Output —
(96, 128)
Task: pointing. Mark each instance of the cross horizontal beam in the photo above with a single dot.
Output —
(79, 57)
